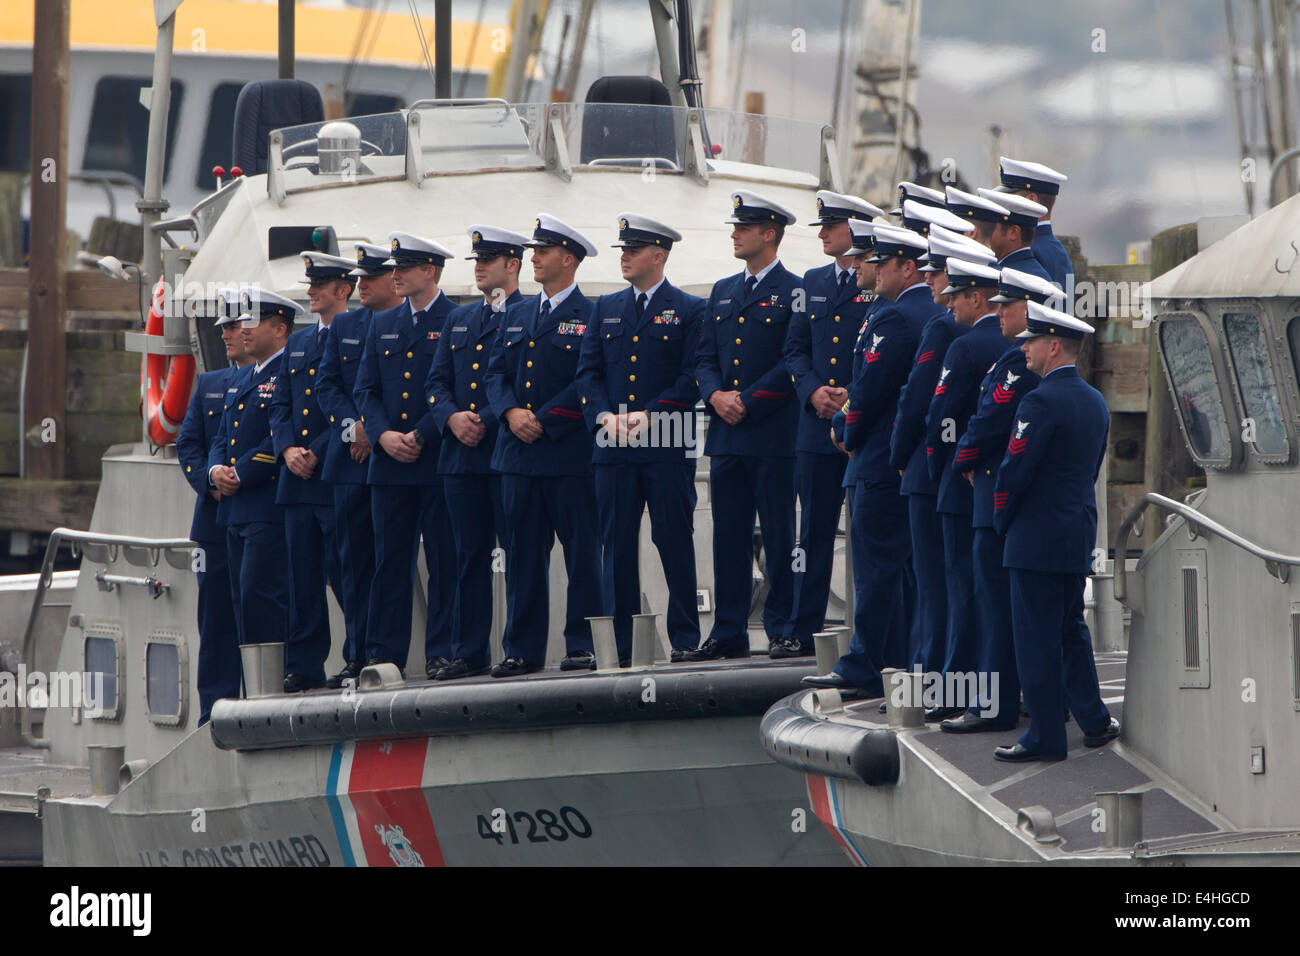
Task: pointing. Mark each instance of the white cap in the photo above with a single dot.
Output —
(749, 207)
(549, 231)
(863, 233)
(1045, 321)
(1016, 205)
(934, 216)
(1024, 284)
(1035, 177)
(409, 250)
(637, 230)
(837, 207)
(321, 265)
(973, 204)
(258, 303)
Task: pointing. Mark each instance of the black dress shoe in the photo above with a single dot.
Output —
(579, 661)
(351, 670)
(296, 683)
(1016, 753)
(677, 656)
(1110, 733)
(711, 650)
(787, 647)
(969, 723)
(513, 667)
(942, 713)
(460, 668)
(434, 664)
(374, 661)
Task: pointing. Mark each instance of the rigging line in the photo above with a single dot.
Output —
(424, 46)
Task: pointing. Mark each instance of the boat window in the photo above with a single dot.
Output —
(1293, 337)
(481, 136)
(103, 655)
(1248, 351)
(162, 666)
(1186, 353)
(119, 126)
(15, 122)
(366, 104)
(219, 136)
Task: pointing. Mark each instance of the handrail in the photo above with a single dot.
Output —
(1277, 563)
(46, 578)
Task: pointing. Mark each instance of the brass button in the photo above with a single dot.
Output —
(737, 341)
(403, 416)
(293, 370)
(309, 391)
(188, 468)
(742, 320)
(473, 384)
(532, 345)
(232, 441)
(241, 406)
(636, 338)
(835, 338)
(529, 406)
(528, 384)
(584, 399)
(236, 424)
(832, 360)
(768, 321)
(431, 399)
(305, 411)
(406, 375)
(472, 406)
(232, 461)
(210, 412)
(304, 431)
(386, 351)
(631, 398)
(474, 366)
(529, 363)
(479, 347)
(735, 381)
(406, 395)
(331, 419)
(631, 378)
(735, 361)
(410, 355)
(831, 382)
(837, 318)
(311, 371)
(665, 338)
(633, 358)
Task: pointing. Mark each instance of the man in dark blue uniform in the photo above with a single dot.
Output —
(819, 353)
(347, 456)
(753, 416)
(1011, 239)
(920, 217)
(461, 412)
(1041, 184)
(907, 451)
(977, 455)
(544, 455)
(242, 466)
(918, 194)
(984, 214)
(405, 492)
(219, 665)
(881, 538)
(636, 381)
(1045, 503)
(301, 436)
(956, 393)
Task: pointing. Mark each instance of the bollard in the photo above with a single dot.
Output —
(643, 640)
(606, 645)
(263, 669)
(903, 698)
(1121, 818)
(130, 770)
(828, 650)
(105, 762)
(842, 637)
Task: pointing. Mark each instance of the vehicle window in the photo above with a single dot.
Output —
(119, 126)
(365, 104)
(1196, 392)
(15, 122)
(219, 135)
(1255, 382)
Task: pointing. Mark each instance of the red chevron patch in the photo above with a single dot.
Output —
(966, 454)
(999, 499)
(1017, 445)
(1001, 395)
(924, 357)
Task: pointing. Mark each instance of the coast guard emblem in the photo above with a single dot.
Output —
(1017, 444)
(873, 353)
(399, 847)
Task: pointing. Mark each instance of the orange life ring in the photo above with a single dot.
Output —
(168, 382)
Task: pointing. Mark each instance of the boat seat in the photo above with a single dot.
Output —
(615, 133)
(265, 105)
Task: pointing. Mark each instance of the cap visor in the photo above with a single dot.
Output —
(952, 290)
(1026, 334)
(1002, 298)
(928, 267)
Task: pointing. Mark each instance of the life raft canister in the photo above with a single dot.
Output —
(168, 382)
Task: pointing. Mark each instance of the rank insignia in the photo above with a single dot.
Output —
(571, 328)
(668, 317)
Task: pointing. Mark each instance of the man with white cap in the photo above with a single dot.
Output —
(880, 536)
(301, 435)
(347, 457)
(753, 417)
(907, 451)
(218, 664)
(977, 455)
(462, 414)
(636, 381)
(956, 394)
(406, 497)
(1040, 184)
(1011, 239)
(1045, 503)
(819, 352)
(544, 454)
(983, 214)
(243, 468)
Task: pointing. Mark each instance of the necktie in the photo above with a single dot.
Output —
(546, 308)
(750, 282)
(640, 305)
(844, 281)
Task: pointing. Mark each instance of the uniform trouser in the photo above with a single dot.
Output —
(309, 536)
(667, 490)
(219, 667)
(403, 514)
(354, 533)
(881, 545)
(259, 581)
(931, 621)
(474, 508)
(539, 509)
(1054, 656)
(819, 480)
(739, 487)
(958, 549)
(995, 647)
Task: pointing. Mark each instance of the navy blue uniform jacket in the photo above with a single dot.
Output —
(244, 440)
(819, 349)
(740, 350)
(907, 444)
(984, 442)
(1047, 249)
(1044, 500)
(534, 366)
(645, 363)
(1024, 260)
(296, 418)
(336, 378)
(194, 444)
(456, 383)
(956, 395)
(390, 389)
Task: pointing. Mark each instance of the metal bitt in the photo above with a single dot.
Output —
(263, 669)
(644, 640)
(105, 767)
(1121, 818)
(828, 650)
(606, 644)
(903, 698)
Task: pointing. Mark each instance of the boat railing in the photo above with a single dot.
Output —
(1278, 564)
(101, 548)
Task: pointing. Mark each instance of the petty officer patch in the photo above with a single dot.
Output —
(571, 328)
(668, 317)
(873, 353)
(941, 386)
(1017, 444)
(1002, 393)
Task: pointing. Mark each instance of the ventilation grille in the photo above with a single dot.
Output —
(1295, 657)
(1191, 621)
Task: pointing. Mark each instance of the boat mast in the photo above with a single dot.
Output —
(157, 99)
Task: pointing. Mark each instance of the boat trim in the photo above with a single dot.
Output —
(818, 746)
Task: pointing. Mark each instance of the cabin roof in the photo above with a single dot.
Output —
(240, 28)
(1261, 259)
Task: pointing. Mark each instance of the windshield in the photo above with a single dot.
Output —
(1196, 390)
